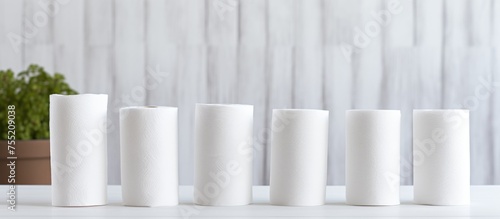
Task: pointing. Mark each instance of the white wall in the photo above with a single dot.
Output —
(273, 54)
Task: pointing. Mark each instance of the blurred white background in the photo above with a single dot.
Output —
(324, 54)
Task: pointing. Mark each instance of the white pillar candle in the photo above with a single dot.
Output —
(78, 149)
(372, 157)
(299, 153)
(148, 147)
(223, 154)
(441, 157)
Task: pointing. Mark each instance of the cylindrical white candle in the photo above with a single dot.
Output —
(441, 157)
(372, 157)
(223, 154)
(148, 140)
(299, 153)
(78, 149)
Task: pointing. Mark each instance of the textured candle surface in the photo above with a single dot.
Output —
(78, 149)
(148, 140)
(223, 154)
(441, 157)
(372, 157)
(299, 157)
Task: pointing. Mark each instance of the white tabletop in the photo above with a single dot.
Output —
(34, 201)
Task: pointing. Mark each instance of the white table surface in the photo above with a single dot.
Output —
(34, 201)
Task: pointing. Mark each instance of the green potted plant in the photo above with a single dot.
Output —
(28, 92)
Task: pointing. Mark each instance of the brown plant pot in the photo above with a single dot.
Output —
(32, 163)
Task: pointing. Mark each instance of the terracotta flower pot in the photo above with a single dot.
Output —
(32, 164)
